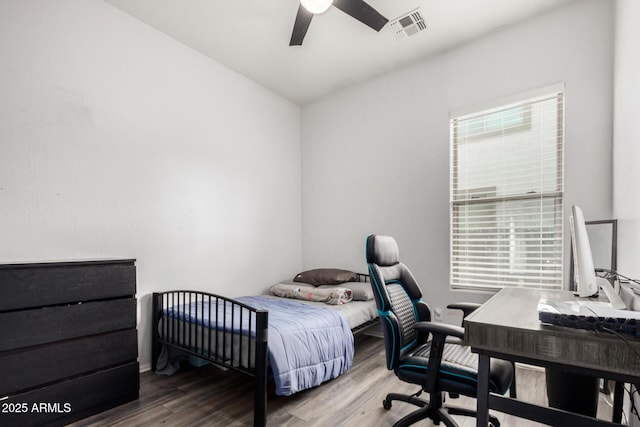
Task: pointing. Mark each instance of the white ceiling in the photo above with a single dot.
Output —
(252, 37)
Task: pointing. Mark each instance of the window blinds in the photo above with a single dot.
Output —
(506, 195)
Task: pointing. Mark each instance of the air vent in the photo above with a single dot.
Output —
(408, 25)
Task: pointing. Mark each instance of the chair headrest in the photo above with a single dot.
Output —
(382, 250)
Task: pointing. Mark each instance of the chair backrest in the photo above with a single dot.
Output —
(398, 298)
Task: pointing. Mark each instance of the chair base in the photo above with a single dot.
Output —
(432, 409)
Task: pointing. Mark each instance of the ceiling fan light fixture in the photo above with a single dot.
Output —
(316, 6)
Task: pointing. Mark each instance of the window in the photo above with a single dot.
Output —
(506, 195)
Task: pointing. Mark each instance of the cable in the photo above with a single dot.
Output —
(632, 392)
(623, 338)
(613, 273)
(633, 409)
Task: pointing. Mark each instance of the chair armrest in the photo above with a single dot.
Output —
(441, 333)
(466, 307)
(441, 329)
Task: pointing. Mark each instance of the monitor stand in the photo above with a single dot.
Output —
(614, 299)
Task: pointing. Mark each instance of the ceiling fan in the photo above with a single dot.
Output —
(357, 9)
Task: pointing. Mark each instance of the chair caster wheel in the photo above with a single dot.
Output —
(386, 404)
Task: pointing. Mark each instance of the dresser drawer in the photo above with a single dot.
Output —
(63, 402)
(28, 368)
(27, 328)
(35, 285)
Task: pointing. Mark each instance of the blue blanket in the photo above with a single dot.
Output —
(308, 345)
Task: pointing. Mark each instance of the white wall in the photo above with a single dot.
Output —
(118, 141)
(626, 144)
(376, 156)
(626, 147)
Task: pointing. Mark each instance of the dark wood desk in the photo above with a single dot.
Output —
(507, 327)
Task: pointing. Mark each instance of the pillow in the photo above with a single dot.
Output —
(330, 294)
(325, 276)
(361, 290)
(293, 282)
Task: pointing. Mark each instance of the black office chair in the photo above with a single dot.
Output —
(419, 351)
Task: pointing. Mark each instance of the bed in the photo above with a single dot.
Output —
(266, 334)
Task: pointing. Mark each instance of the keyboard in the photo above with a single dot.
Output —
(589, 315)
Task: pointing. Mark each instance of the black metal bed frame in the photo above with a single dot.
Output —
(184, 338)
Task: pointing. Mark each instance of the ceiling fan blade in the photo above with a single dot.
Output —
(303, 19)
(361, 11)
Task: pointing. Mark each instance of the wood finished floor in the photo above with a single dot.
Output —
(207, 396)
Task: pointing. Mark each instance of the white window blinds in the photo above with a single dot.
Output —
(506, 195)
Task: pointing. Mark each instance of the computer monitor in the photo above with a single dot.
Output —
(588, 283)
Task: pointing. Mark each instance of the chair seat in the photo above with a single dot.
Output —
(458, 370)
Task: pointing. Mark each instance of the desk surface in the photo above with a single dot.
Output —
(508, 324)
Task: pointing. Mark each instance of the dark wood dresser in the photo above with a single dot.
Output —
(68, 340)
